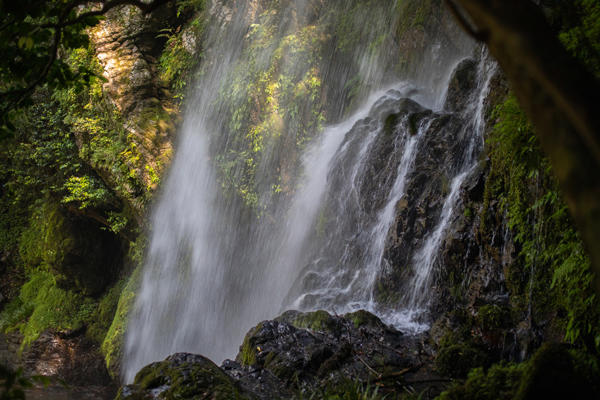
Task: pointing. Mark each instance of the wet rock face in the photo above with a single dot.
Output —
(419, 209)
(462, 83)
(295, 352)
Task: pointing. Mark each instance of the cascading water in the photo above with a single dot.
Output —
(248, 226)
(345, 265)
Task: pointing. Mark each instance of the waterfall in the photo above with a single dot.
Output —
(263, 213)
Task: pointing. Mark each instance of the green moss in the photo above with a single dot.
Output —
(178, 61)
(415, 14)
(200, 379)
(554, 372)
(364, 318)
(247, 354)
(550, 274)
(105, 312)
(14, 315)
(317, 321)
(52, 307)
(45, 240)
(113, 341)
(390, 124)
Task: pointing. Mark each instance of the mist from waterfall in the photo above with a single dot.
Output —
(215, 265)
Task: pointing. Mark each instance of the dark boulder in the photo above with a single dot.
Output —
(295, 353)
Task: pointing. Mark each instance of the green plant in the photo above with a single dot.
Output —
(551, 271)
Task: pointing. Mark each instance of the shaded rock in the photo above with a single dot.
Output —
(295, 353)
(183, 376)
(314, 350)
(462, 83)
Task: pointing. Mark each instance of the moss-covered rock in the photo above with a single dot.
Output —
(317, 320)
(500, 382)
(183, 376)
(555, 372)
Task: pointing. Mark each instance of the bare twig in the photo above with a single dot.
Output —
(377, 374)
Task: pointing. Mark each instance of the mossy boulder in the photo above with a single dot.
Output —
(555, 372)
(182, 376)
(500, 382)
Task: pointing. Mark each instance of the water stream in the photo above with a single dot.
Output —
(215, 264)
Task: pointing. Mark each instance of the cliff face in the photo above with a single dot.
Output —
(128, 46)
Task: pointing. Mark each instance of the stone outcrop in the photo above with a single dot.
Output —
(295, 353)
(128, 45)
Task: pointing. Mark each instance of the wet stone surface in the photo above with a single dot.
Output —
(295, 353)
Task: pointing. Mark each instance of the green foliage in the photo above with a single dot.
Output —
(104, 143)
(491, 317)
(104, 312)
(346, 390)
(32, 33)
(86, 191)
(182, 53)
(457, 359)
(557, 372)
(42, 155)
(500, 382)
(14, 314)
(579, 25)
(415, 14)
(272, 99)
(248, 350)
(551, 271)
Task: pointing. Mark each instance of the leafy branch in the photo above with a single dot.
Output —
(33, 34)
